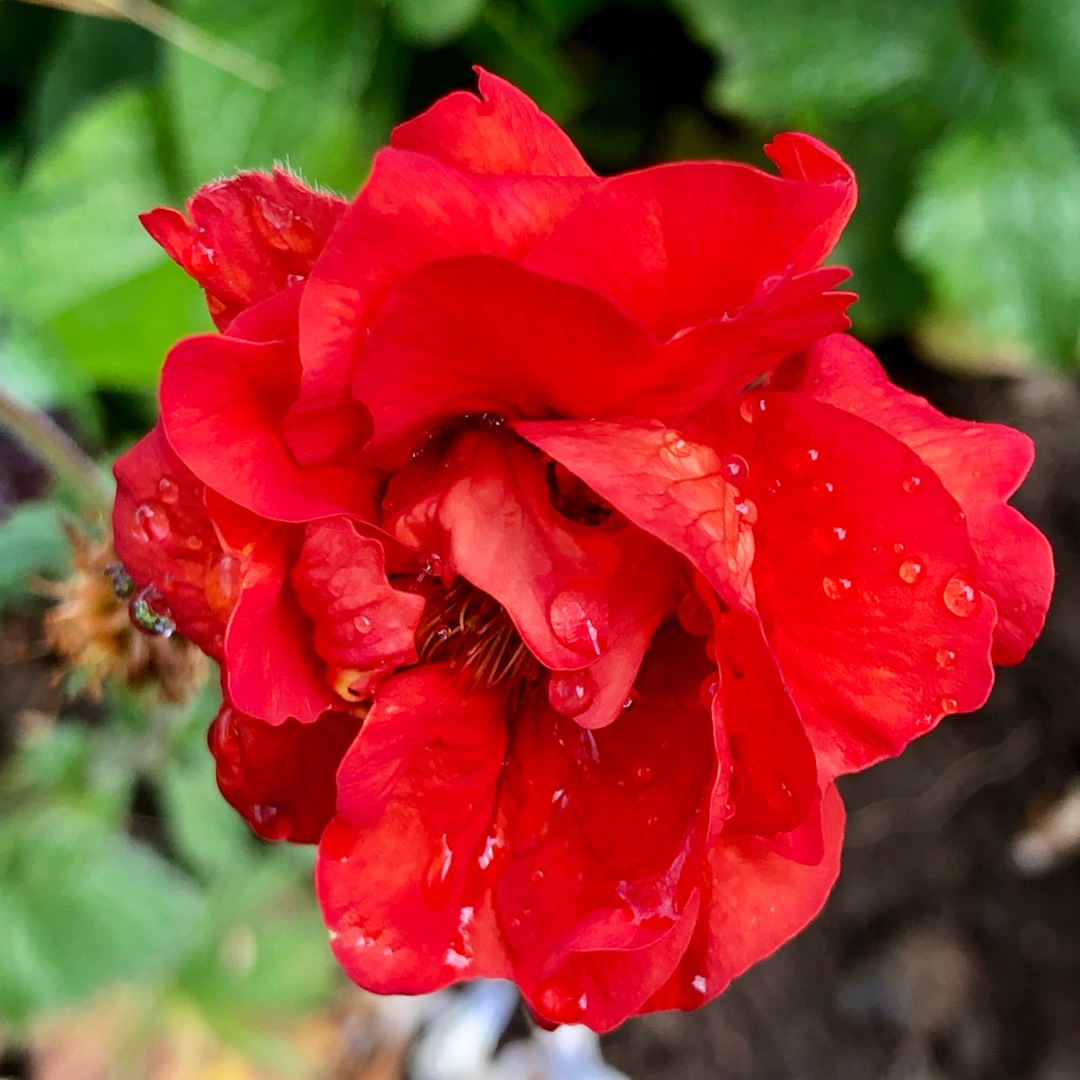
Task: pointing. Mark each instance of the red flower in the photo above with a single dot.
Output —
(570, 496)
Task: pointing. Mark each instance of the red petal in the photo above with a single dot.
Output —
(486, 513)
(271, 669)
(500, 132)
(360, 621)
(450, 342)
(664, 483)
(280, 778)
(222, 403)
(165, 538)
(248, 237)
(865, 577)
(981, 465)
(600, 888)
(774, 784)
(386, 235)
(754, 900)
(402, 878)
(678, 245)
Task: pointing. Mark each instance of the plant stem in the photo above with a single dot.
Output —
(58, 452)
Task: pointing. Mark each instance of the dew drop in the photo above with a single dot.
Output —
(748, 409)
(436, 885)
(911, 570)
(948, 705)
(926, 720)
(699, 985)
(433, 565)
(362, 624)
(122, 582)
(561, 1000)
(676, 445)
(168, 491)
(836, 588)
(945, 658)
(193, 542)
(536, 875)
(910, 484)
(898, 548)
(747, 510)
(734, 469)
(709, 685)
(694, 616)
(222, 584)
(579, 621)
(839, 532)
(571, 692)
(201, 260)
(443, 633)
(633, 698)
(270, 822)
(960, 596)
(774, 487)
(145, 611)
(151, 524)
(643, 774)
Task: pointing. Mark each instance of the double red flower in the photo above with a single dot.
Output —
(560, 551)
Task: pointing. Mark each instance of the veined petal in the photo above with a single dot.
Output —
(664, 483)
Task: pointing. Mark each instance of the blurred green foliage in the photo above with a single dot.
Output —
(118, 860)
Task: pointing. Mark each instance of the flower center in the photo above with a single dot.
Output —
(474, 632)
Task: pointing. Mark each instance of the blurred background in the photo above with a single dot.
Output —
(144, 933)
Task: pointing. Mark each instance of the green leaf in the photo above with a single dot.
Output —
(807, 62)
(323, 52)
(119, 336)
(72, 228)
(427, 24)
(995, 224)
(32, 544)
(81, 907)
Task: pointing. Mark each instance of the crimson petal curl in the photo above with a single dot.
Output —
(385, 235)
(362, 624)
(501, 132)
(222, 403)
(449, 342)
(401, 875)
(678, 245)
(981, 466)
(866, 579)
(485, 512)
(280, 778)
(664, 483)
(248, 237)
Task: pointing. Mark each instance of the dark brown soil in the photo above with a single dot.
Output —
(934, 959)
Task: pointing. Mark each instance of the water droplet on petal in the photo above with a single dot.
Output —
(945, 658)
(747, 510)
(122, 582)
(960, 596)
(632, 699)
(911, 570)
(149, 615)
(643, 774)
(694, 616)
(433, 565)
(749, 408)
(709, 685)
(676, 445)
(836, 588)
(926, 720)
(699, 985)
(948, 705)
(734, 469)
(201, 259)
(168, 491)
(151, 523)
(222, 584)
(910, 484)
(270, 822)
(536, 875)
(774, 487)
(561, 1000)
(898, 548)
(579, 621)
(362, 624)
(839, 532)
(571, 692)
(436, 884)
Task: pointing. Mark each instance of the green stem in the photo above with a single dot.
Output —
(58, 452)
